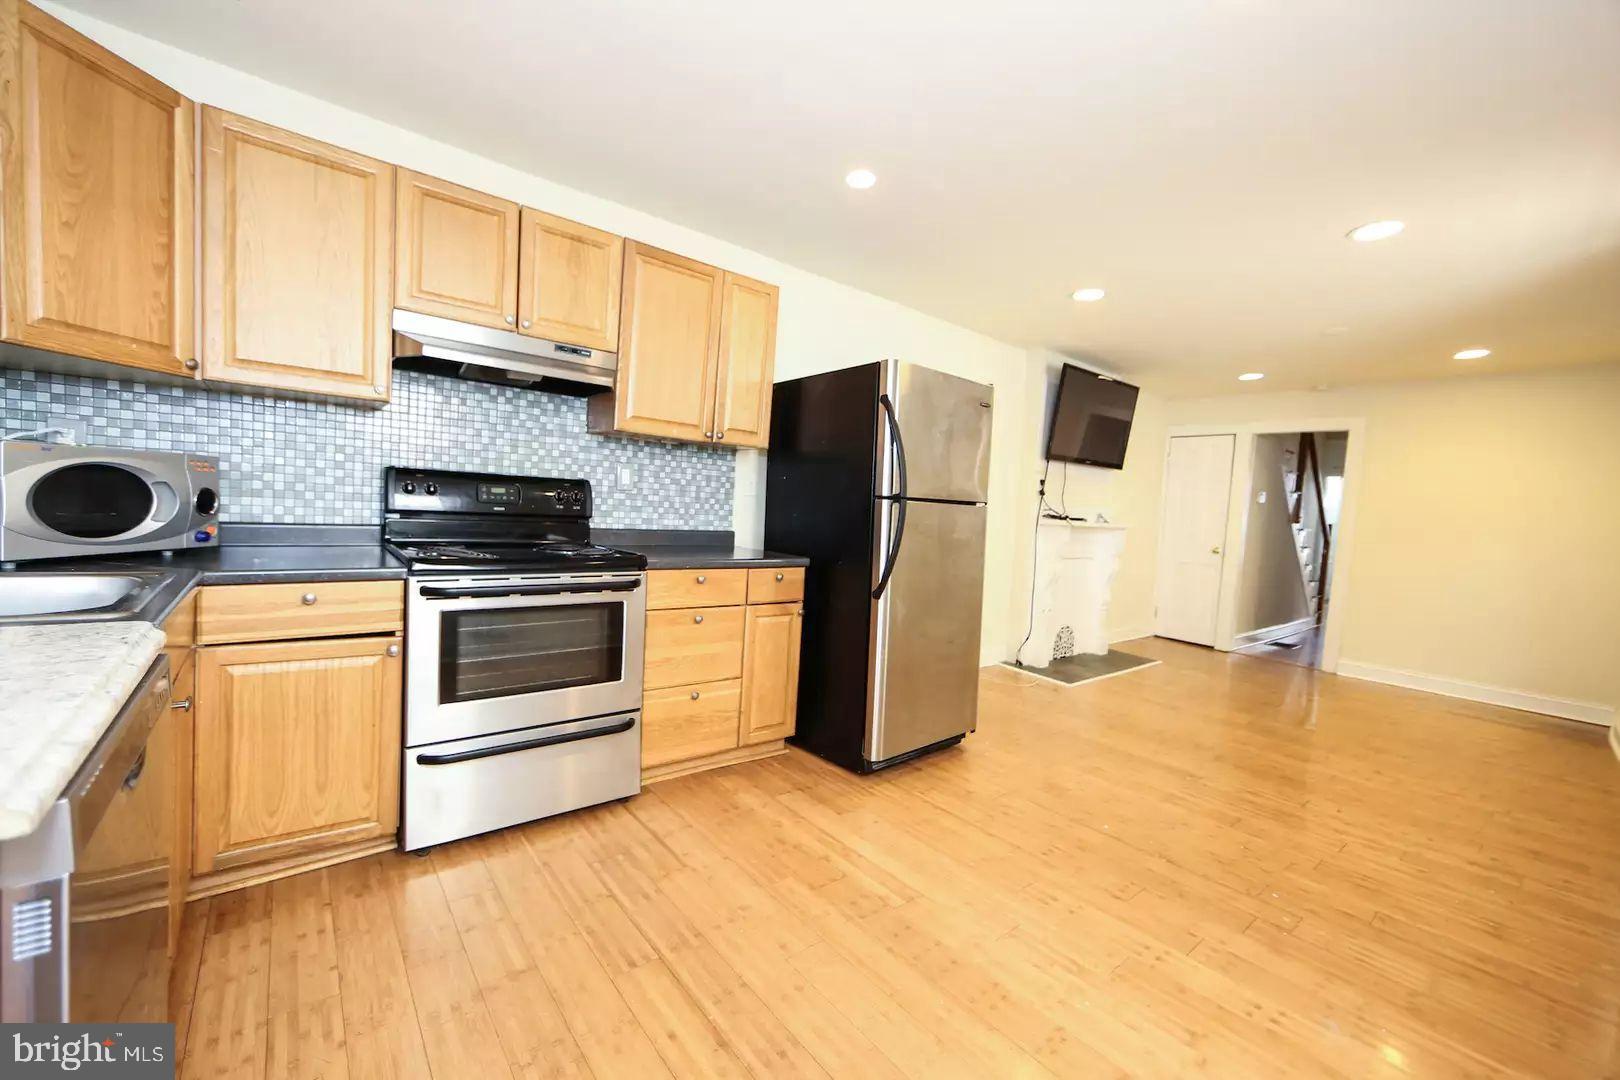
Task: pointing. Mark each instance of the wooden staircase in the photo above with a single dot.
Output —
(1313, 536)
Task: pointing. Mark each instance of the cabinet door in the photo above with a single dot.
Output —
(747, 362)
(669, 331)
(685, 722)
(297, 247)
(770, 695)
(571, 282)
(296, 748)
(456, 252)
(98, 208)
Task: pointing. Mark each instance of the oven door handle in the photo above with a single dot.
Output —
(451, 592)
(527, 744)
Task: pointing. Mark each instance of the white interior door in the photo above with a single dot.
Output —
(1197, 489)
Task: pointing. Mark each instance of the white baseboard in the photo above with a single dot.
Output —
(1117, 636)
(1588, 711)
(1272, 633)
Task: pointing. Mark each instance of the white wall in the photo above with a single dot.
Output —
(822, 325)
(1128, 496)
(1482, 560)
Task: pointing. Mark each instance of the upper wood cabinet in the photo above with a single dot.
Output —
(747, 362)
(697, 353)
(298, 259)
(296, 748)
(669, 336)
(98, 200)
(570, 278)
(456, 252)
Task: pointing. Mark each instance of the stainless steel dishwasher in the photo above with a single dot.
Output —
(85, 945)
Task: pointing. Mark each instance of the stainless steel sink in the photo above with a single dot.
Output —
(26, 597)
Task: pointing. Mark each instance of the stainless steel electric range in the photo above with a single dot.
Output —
(523, 652)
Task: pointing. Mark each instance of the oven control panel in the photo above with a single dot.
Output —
(435, 491)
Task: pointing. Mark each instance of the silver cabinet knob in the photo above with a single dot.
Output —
(527, 324)
(191, 365)
(779, 577)
(510, 319)
(183, 705)
(308, 598)
(393, 650)
(696, 695)
(708, 434)
(701, 578)
(697, 618)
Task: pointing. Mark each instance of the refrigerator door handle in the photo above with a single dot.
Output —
(899, 497)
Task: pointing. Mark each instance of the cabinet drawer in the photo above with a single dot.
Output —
(696, 588)
(689, 721)
(693, 645)
(309, 609)
(778, 585)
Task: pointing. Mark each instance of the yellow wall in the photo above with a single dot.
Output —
(1487, 525)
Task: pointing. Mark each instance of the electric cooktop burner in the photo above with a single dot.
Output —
(559, 556)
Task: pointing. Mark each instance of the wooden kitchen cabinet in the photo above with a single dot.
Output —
(456, 252)
(722, 682)
(97, 182)
(297, 261)
(669, 338)
(297, 748)
(697, 353)
(570, 282)
(770, 686)
(747, 365)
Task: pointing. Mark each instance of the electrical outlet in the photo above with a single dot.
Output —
(72, 425)
(1262, 497)
(627, 476)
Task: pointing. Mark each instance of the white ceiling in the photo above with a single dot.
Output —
(1200, 159)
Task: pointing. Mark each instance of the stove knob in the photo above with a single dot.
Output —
(432, 489)
(578, 497)
(408, 487)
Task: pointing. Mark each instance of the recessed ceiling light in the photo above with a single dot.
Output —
(1376, 230)
(860, 179)
(1471, 354)
(1251, 376)
(1089, 295)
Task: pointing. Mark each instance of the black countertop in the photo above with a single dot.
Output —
(708, 556)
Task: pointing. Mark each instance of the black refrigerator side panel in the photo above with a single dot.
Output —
(819, 503)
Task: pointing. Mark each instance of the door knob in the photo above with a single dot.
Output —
(696, 695)
(1216, 550)
(701, 579)
(697, 618)
(779, 577)
(393, 650)
(510, 319)
(309, 598)
(527, 324)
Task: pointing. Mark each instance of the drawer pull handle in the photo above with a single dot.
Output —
(701, 578)
(779, 577)
(309, 598)
(184, 704)
(696, 695)
(393, 650)
(697, 618)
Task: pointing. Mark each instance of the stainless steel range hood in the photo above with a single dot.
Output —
(464, 351)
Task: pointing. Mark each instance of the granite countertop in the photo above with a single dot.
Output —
(709, 556)
(252, 564)
(61, 684)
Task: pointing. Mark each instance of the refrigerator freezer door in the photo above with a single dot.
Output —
(925, 660)
(945, 423)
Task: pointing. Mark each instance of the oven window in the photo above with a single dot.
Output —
(92, 500)
(524, 650)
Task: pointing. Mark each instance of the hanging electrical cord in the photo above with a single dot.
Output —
(1041, 506)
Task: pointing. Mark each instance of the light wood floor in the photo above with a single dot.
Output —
(1215, 865)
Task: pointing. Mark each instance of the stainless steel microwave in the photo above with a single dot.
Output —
(58, 501)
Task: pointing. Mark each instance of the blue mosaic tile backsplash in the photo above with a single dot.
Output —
(320, 462)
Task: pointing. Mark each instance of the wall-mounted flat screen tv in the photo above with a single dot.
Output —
(1091, 422)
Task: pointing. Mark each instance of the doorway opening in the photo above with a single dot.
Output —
(1284, 589)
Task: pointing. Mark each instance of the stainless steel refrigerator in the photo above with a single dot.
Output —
(879, 475)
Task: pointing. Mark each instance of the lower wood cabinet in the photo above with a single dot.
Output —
(770, 688)
(297, 748)
(722, 681)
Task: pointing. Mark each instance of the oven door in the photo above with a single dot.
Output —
(490, 654)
